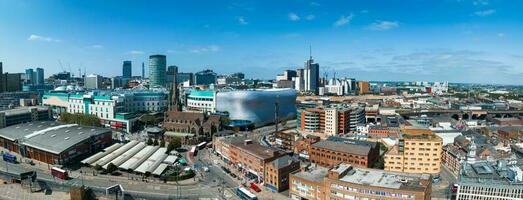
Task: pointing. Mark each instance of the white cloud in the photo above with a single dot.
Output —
(480, 2)
(484, 13)
(210, 48)
(501, 34)
(343, 20)
(310, 17)
(136, 52)
(293, 17)
(242, 20)
(96, 46)
(383, 25)
(34, 37)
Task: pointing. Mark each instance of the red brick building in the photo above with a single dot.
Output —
(334, 151)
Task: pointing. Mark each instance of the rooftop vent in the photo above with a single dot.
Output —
(80, 133)
(404, 180)
(66, 138)
(92, 129)
(53, 135)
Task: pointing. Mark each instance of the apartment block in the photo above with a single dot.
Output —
(331, 120)
(345, 181)
(417, 152)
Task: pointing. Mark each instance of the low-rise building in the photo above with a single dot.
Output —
(252, 158)
(345, 181)
(335, 150)
(286, 139)
(53, 142)
(483, 180)
(24, 114)
(278, 170)
(453, 157)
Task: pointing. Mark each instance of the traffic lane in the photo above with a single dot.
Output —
(217, 175)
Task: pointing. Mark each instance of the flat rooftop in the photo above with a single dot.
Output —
(386, 179)
(23, 110)
(53, 137)
(315, 174)
(258, 150)
(339, 146)
(491, 173)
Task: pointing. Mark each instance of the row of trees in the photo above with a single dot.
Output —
(175, 143)
(81, 119)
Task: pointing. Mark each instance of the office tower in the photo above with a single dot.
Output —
(143, 70)
(2, 79)
(171, 73)
(93, 81)
(39, 76)
(299, 81)
(157, 69)
(127, 69)
(311, 75)
(363, 87)
(173, 69)
(183, 77)
(13, 82)
(205, 77)
(29, 76)
(238, 75)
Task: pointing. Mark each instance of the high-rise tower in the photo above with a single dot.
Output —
(127, 69)
(143, 70)
(311, 75)
(157, 69)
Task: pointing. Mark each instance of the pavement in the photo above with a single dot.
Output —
(206, 185)
(17, 192)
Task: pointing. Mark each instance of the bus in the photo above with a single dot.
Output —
(9, 158)
(245, 194)
(60, 173)
(193, 152)
(201, 145)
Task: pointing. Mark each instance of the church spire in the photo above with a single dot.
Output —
(174, 104)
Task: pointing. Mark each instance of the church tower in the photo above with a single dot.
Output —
(174, 104)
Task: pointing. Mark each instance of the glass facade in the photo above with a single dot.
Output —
(157, 70)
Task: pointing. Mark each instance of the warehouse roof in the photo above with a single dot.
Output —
(50, 136)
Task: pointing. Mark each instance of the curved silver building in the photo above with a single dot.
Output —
(157, 70)
(257, 106)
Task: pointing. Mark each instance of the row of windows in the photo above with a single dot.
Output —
(500, 192)
(372, 192)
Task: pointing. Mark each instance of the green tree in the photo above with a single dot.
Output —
(162, 143)
(175, 143)
(150, 141)
(148, 119)
(111, 168)
(97, 167)
(155, 143)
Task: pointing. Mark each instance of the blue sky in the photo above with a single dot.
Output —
(479, 41)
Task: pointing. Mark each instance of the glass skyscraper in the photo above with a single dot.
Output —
(157, 70)
(127, 69)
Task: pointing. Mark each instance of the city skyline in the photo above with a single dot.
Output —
(458, 41)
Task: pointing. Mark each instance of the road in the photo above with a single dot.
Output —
(154, 189)
(210, 185)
